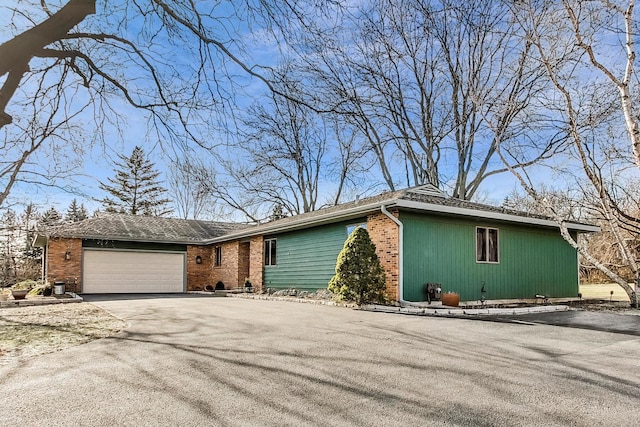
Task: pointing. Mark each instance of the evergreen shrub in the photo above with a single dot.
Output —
(359, 275)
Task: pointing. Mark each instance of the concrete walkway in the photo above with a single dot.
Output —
(68, 297)
(444, 311)
(555, 315)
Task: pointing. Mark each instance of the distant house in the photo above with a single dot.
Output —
(421, 237)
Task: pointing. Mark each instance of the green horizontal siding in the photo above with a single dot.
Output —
(306, 259)
(532, 260)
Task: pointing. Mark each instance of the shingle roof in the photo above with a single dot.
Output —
(415, 194)
(169, 230)
(421, 198)
(464, 204)
(144, 229)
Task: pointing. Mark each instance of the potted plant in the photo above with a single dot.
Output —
(41, 289)
(451, 299)
(21, 289)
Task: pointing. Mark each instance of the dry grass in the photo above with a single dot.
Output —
(603, 292)
(29, 331)
(618, 302)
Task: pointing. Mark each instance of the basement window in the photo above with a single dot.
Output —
(270, 252)
(486, 245)
(218, 256)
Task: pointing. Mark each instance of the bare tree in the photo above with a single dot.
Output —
(176, 63)
(43, 141)
(588, 52)
(190, 183)
(433, 87)
(9, 252)
(284, 151)
(351, 166)
(570, 203)
(19, 260)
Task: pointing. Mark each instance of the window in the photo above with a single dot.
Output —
(352, 227)
(218, 256)
(486, 244)
(270, 252)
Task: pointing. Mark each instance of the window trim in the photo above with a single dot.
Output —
(217, 256)
(487, 245)
(271, 253)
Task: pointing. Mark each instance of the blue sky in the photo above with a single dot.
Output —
(97, 162)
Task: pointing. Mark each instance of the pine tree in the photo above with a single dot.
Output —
(277, 213)
(50, 218)
(135, 189)
(76, 213)
(359, 275)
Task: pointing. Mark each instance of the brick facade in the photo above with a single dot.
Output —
(227, 271)
(244, 250)
(239, 260)
(235, 266)
(256, 262)
(384, 234)
(199, 275)
(59, 268)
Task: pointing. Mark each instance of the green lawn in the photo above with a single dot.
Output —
(603, 291)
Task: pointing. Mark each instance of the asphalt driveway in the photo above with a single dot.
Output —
(226, 361)
(594, 320)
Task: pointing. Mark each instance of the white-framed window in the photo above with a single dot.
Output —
(487, 245)
(218, 256)
(352, 227)
(270, 252)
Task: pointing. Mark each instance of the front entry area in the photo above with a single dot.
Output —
(132, 271)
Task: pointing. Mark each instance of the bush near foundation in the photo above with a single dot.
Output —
(25, 285)
(359, 275)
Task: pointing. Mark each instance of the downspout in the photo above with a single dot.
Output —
(384, 210)
(43, 268)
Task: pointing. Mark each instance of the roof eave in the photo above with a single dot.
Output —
(409, 204)
(130, 239)
(40, 240)
(353, 212)
(327, 218)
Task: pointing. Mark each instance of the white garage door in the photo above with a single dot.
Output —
(132, 272)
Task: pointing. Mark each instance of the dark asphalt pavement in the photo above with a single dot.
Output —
(593, 320)
(200, 361)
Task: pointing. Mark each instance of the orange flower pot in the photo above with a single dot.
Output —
(451, 299)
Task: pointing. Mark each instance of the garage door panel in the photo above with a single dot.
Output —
(132, 272)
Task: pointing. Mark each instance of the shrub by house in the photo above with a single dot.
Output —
(359, 275)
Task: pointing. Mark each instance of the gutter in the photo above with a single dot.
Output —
(358, 210)
(295, 224)
(41, 240)
(429, 207)
(388, 214)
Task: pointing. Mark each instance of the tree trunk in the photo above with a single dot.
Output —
(23, 47)
(15, 54)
